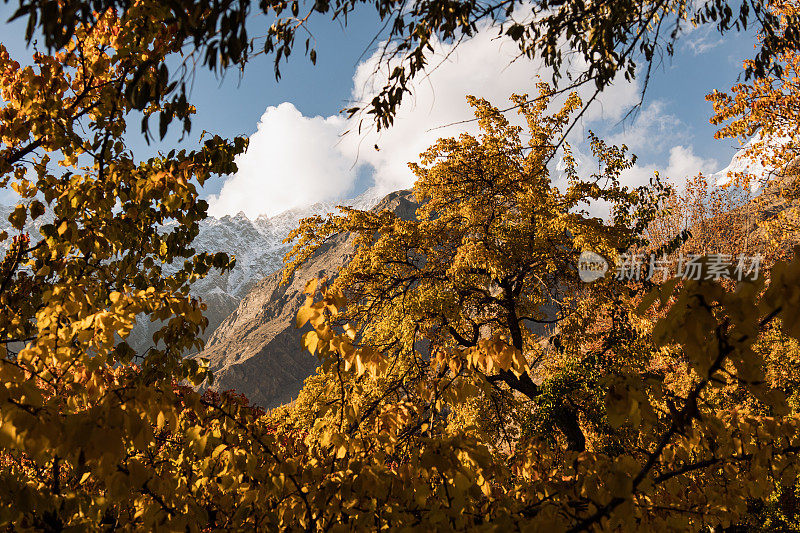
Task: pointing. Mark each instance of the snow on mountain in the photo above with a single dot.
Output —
(256, 244)
(740, 164)
(746, 163)
(256, 349)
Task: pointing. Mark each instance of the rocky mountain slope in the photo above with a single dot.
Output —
(257, 350)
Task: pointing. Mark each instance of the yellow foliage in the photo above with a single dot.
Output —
(444, 400)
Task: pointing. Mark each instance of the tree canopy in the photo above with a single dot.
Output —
(437, 348)
(468, 378)
(77, 408)
(492, 253)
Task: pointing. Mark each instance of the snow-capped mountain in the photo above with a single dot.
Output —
(256, 349)
(747, 161)
(256, 244)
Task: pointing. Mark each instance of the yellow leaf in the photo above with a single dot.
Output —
(310, 341)
(311, 286)
(305, 314)
(18, 217)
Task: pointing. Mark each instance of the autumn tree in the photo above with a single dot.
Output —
(78, 419)
(491, 254)
(430, 357)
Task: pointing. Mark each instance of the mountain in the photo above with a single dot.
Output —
(256, 244)
(257, 350)
(745, 163)
(258, 248)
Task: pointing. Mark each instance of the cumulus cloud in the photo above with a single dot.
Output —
(483, 66)
(652, 132)
(480, 67)
(683, 164)
(294, 160)
(291, 159)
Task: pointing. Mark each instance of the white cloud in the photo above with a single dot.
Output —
(483, 66)
(658, 139)
(701, 40)
(683, 164)
(652, 128)
(292, 160)
(480, 66)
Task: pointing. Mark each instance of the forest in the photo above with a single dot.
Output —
(505, 359)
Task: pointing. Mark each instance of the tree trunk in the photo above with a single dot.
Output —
(567, 422)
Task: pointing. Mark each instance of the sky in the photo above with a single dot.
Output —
(299, 154)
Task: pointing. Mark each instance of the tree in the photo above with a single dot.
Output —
(494, 246)
(427, 393)
(610, 38)
(77, 416)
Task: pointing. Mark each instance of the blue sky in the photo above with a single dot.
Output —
(297, 155)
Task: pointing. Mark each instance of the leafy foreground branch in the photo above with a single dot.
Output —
(604, 41)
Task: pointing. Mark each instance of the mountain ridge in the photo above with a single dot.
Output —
(257, 350)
